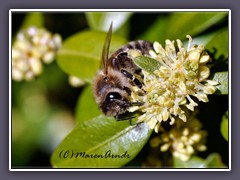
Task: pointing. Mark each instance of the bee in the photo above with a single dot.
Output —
(112, 86)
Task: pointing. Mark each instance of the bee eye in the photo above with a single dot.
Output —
(113, 95)
(124, 54)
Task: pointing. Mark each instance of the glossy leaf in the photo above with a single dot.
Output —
(102, 20)
(179, 24)
(147, 63)
(224, 126)
(156, 32)
(101, 142)
(86, 106)
(212, 161)
(80, 54)
(33, 19)
(218, 46)
(222, 78)
(202, 39)
(194, 162)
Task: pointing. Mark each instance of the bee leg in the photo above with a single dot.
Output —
(130, 122)
(127, 90)
(127, 74)
(136, 103)
(127, 118)
(123, 117)
(131, 77)
(138, 83)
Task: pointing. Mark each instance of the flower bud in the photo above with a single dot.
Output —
(29, 75)
(75, 81)
(164, 147)
(48, 57)
(17, 74)
(32, 46)
(204, 73)
(35, 65)
(204, 59)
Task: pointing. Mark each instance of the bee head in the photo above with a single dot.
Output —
(110, 94)
(115, 103)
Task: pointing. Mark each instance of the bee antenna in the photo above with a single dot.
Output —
(105, 50)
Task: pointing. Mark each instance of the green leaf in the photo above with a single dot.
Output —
(124, 30)
(155, 32)
(179, 24)
(146, 63)
(214, 160)
(192, 23)
(194, 162)
(33, 19)
(224, 126)
(101, 138)
(86, 106)
(80, 54)
(202, 39)
(218, 46)
(102, 20)
(222, 78)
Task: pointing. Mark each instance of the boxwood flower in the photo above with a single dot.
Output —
(182, 139)
(181, 81)
(32, 47)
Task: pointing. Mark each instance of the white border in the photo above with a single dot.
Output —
(115, 10)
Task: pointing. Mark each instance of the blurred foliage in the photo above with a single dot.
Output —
(35, 114)
(101, 20)
(35, 19)
(85, 102)
(74, 55)
(45, 110)
(224, 126)
(212, 161)
(179, 24)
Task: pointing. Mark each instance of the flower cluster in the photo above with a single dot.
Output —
(32, 47)
(181, 80)
(183, 139)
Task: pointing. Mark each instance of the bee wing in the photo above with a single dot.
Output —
(105, 51)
